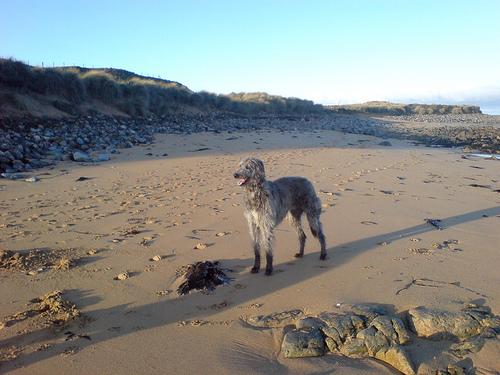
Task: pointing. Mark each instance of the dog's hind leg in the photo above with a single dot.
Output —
(317, 231)
(295, 220)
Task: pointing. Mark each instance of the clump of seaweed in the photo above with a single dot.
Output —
(205, 276)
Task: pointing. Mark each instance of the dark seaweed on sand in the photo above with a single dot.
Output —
(435, 223)
(202, 276)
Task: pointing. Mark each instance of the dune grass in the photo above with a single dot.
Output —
(133, 94)
(388, 108)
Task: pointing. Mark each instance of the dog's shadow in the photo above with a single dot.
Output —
(244, 288)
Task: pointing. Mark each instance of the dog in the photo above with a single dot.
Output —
(267, 203)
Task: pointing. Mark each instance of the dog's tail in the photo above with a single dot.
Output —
(317, 205)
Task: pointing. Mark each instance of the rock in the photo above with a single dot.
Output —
(471, 345)
(451, 369)
(275, 320)
(156, 258)
(310, 322)
(102, 157)
(346, 325)
(354, 348)
(3, 158)
(369, 311)
(303, 343)
(81, 156)
(397, 358)
(381, 340)
(32, 179)
(373, 333)
(200, 246)
(13, 176)
(392, 328)
(332, 338)
(385, 143)
(428, 323)
(18, 165)
(122, 276)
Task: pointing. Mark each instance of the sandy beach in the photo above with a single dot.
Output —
(145, 211)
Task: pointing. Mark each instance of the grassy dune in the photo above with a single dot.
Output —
(388, 108)
(61, 91)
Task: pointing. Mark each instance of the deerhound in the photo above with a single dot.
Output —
(268, 202)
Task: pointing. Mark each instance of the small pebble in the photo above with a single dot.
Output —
(122, 276)
(200, 246)
(165, 292)
(156, 258)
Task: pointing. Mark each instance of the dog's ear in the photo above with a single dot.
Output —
(261, 166)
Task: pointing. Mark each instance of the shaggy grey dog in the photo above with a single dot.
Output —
(268, 202)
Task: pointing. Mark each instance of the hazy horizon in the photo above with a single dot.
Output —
(330, 52)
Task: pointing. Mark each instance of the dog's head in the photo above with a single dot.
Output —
(250, 172)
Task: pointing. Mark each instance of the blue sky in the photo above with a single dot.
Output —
(327, 51)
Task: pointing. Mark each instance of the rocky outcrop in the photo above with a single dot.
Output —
(369, 331)
(366, 331)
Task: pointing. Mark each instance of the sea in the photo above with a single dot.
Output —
(491, 110)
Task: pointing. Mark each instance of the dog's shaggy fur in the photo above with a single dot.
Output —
(268, 202)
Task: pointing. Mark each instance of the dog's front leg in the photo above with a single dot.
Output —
(256, 263)
(266, 244)
(256, 247)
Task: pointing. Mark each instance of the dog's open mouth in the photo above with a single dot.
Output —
(242, 181)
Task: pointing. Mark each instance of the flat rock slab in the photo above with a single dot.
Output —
(275, 320)
(462, 325)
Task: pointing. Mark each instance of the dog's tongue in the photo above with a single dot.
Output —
(241, 181)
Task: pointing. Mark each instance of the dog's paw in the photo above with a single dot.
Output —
(254, 270)
(269, 272)
(322, 257)
(299, 255)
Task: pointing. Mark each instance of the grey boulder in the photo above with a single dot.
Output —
(81, 156)
(306, 342)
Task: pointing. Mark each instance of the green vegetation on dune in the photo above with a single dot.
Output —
(388, 108)
(76, 90)
(61, 91)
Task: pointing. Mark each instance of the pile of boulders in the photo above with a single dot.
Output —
(28, 143)
(449, 118)
(474, 135)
